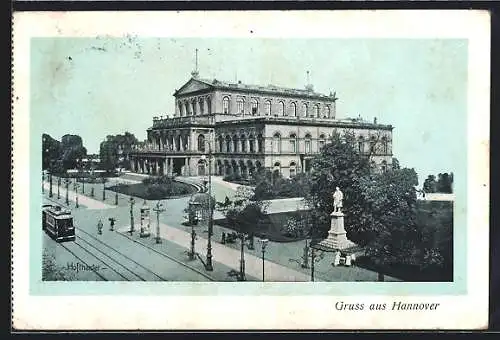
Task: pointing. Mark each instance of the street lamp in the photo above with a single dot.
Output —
(242, 257)
(58, 185)
(50, 180)
(43, 180)
(67, 181)
(263, 243)
(103, 188)
(209, 266)
(193, 218)
(158, 209)
(116, 197)
(76, 196)
(132, 202)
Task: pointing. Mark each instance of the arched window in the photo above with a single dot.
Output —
(240, 106)
(188, 111)
(328, 111)
(276, 143)
(267, 108)
(383, 167)
(316, 110)
(201, 143)
(293, 107)
(260, 143)
(181, 111)
(282, 108)
(373, 142)
(228, 144)
(209, 105)
(361, 144)
(243, 140)
(221, 144)
(293, 169)
(235, 143)
(385, 148)
(304, 109)
(225, 105)
(307, 143)
(255, 107)
(251, 143)
(293, 143)
(321, 141)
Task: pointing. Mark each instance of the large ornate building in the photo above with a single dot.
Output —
(247, 127)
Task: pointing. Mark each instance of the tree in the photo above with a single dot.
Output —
(108, 155)
(395, 164)
(244, 213)
(379, 207)
(72, 150)
(51, 151)
(430, 184)
(115, 150)
(444, 183)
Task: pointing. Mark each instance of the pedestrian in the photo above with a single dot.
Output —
(112, 224)
(99, 227)
(223, 241)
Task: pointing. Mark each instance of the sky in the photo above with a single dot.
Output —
(94, 87)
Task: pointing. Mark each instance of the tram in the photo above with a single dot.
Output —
(58, 223)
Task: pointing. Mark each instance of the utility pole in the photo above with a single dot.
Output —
(67, 181)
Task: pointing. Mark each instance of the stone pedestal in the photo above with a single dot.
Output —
(337, 236)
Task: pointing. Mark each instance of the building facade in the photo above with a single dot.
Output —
(248, 127)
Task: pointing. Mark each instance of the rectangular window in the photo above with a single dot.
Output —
(308, 146)
(293, 146)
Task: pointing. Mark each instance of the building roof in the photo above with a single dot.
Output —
(274, 89)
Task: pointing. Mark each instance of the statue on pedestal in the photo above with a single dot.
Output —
(338, 197)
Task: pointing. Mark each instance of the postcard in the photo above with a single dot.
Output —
(255, 170)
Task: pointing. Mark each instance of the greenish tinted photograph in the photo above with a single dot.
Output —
(341, 162)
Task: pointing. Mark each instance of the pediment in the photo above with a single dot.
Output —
(192, 85)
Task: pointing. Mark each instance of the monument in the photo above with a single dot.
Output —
(337, 240)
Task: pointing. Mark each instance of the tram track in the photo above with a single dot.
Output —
(154, 275)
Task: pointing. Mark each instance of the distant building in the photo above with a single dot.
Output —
(250, 127)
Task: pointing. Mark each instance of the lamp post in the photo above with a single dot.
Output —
(158, 209)
(264, 243)
(242, 257)
(209, 266)
(67, 181)
(194, 218)
(132, 202)
(76, 196)
(58, 185)
(103, 188)
(50, 180)
(116, 197)
(43, 180)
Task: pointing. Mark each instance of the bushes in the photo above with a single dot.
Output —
(155, 188)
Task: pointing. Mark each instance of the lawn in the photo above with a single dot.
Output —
(154, 191)
(273, 227)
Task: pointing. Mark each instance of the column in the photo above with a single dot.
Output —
(165, 168)
(205, 105)
(161, 141)
(170, 166)
(193, 141)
